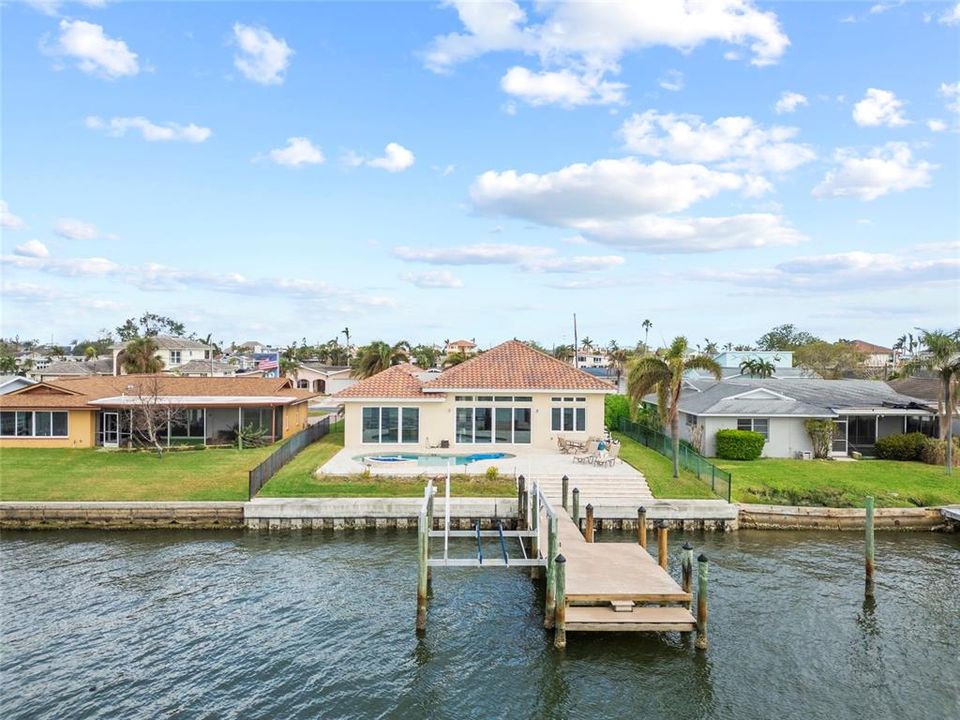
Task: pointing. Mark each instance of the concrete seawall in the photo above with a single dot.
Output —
(129, 515)
(793, 517)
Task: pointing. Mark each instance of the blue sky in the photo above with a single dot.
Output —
(481, 170)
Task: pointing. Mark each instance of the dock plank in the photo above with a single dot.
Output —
(584, 618)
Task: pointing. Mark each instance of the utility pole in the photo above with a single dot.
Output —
(576, 345)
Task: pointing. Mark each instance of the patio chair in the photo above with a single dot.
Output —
(588, 455)
(563, 446)
(611, 456)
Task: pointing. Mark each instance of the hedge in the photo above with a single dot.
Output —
(615, 408)
(739, 444)
(901, 447)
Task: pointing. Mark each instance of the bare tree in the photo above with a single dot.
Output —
(151, 413)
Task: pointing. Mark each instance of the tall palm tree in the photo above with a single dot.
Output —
(140, 356)
(757, 367)
(618, 358)
(563, 352)
(289, 364)
(586, 343)
(346, 334)
(646, 324)
(664, 375)
(943, 358)
(378, 356)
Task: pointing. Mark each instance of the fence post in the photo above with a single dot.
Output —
(713, 478)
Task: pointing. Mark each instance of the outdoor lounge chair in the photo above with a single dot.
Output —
(610, 456)
(588, 455)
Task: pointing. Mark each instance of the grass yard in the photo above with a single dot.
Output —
(841, 484)
(68, 474)
(658, 470)
(296, 478)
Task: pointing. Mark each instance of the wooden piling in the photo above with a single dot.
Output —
(429, 528)
(553, 542)
(868, 589)
(521, 495)
(576, 507)
(686, 569)
(565, 487)
(702, 567)
(535, 525)
(560, 615)
(588, 529)
(662, 543)
(423, 538)
(642, 527)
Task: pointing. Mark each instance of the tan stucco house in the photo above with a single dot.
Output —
(511, 396)
(97, 411)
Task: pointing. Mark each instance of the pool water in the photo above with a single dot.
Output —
(436, 460)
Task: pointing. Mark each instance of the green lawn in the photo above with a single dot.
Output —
(841, 484)
(296, 478)
(68, 474)
(658, 470)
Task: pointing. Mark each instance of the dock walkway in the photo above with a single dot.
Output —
(613, 587)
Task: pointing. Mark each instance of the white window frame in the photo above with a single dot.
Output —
(513, 403)
(176, 357)
(380, 409)
(752, 428)
(578, 406)
(33, 425)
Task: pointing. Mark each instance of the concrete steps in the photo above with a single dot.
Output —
(625, 490)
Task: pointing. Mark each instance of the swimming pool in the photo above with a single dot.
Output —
(428, 459)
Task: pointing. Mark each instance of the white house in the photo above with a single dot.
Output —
(173, 351)
(324, 379)
(510, 396)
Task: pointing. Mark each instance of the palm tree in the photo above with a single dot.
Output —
(346, 334)
(665, 376)
(943, 357)
(90, 352)
(289, 364)
(140, 356)
(618, 358)
(378, 356)
(757, 367)
(646, 324)
(586, 343)
(455, 358)
(424, 356)
(563, 352)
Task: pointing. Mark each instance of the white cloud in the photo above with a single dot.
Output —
(150, 131)
(52, 7)
(298, 151)
(935, 125)
(32, 248)
(443, 170)
(841, 272)
(562, 87)
(951, 16)
(737, 141)
(95, 52)
(433, 279)
(588, 40)
(951, 92)
(789, 102)
(263, 58)
(75, 229)
(671, 80)
(9, 221)
(396, 158)
(532, 258)
(885, 169)
(879, 107)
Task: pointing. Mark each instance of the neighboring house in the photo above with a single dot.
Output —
(862, 412)
(59, 369)
(204, 368)
(875, 357)
(173, 351)
(589, 356)
(782, 361)
(467, 347)
(929, 389)
(9, 383)
(508, 398)
(96, 411)
(323, 379)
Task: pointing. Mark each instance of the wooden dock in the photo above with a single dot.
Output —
(616, 587)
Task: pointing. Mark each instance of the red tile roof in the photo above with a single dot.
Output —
(514, 365)
(866, 347)
(398, 381)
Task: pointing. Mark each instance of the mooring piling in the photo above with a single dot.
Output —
(553, 543)
(429, 528)
(702, 568)
(423, 549)
(642, 526)
(686, 568)
(588, 529)
(868, 589)
(560, 614)
(521, 497)
(534, 523)
(576, 507)
(565, 487)
(662, 548)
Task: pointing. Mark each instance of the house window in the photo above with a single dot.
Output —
(391, 425)
(757, 425)
(566, 417)
(174, 357)
(504, 425)
(189, 424)
(41, 423)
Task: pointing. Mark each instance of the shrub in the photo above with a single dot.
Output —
(901, 447)
(615, 408)
(492, 473)
(739, 444)
(934, 452)
(821, 436)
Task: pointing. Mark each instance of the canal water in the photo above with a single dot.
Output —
(246, 625)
